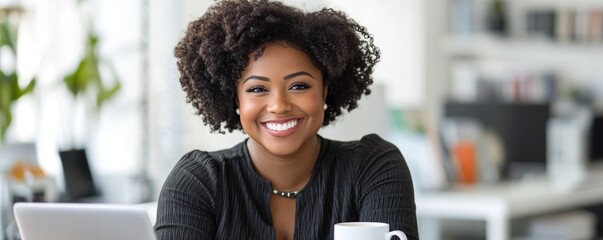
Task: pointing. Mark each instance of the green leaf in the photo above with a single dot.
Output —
(5, 120)
(87, 74)
(5, 92)
(106, 94)
(10, 91)
(92, 40)
(78, 81)
(28, 89)
(13, 81)
(6, 100)
(8, 36)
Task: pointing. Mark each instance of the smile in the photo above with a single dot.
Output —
(282, 126)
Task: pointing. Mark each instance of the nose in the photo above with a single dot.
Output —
(279, 104)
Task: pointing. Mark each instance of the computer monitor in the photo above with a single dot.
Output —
(522, 128)
(596, 139)
(79, 182)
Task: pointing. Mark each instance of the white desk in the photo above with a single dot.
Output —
(151, 208)
(498, 204)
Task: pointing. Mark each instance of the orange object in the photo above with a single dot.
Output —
(464, 153)
(20, 170)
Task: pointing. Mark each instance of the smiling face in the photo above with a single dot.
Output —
(281, 97)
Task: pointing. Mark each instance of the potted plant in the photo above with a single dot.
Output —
(89, 93)
(86, 85)
(10, 90)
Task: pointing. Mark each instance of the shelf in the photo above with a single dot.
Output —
(482, 46)
(530, 60)
(519, 199)
(498, 204)
(559, 3)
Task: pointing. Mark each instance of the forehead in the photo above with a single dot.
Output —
(279, 58)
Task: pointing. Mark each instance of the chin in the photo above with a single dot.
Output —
(282, 148)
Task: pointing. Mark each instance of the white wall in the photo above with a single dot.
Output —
(398, 29)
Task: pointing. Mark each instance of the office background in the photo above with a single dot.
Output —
(434, 52)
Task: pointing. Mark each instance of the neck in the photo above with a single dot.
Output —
(286, 173)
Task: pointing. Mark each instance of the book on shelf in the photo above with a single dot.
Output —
(575, 24)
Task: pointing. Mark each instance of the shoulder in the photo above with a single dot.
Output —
(370, 153)
(203, 165)
(375, 142)
(368, 145)
(214, 157)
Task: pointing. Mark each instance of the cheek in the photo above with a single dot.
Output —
(246, 108)
(242, 100)
(313, 105)
(249, 111)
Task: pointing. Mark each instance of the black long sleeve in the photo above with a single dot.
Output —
(218, 195)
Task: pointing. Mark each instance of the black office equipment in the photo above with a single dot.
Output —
(522, 127)
(79, 182)
(596, 139)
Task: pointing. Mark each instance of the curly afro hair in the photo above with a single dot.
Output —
(214, 52)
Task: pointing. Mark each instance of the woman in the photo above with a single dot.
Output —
(280, 74)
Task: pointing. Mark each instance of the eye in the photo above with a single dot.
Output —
(256, 89)
(299, 86)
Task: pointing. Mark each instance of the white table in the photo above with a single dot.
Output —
(151, 208)
(498, 204)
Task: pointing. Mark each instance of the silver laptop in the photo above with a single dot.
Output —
(78, 221)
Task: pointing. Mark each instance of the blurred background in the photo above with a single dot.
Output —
(496, 105)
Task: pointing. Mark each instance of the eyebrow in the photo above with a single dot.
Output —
(256, 77)
(300, 73)
(287, 77)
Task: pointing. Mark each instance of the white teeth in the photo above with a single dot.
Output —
(281, 126)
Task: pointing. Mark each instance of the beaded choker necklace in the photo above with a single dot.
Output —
(284, 194)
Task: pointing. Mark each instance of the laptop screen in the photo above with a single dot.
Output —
(77, 221)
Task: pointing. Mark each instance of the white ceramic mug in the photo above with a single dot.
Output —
(365, 231)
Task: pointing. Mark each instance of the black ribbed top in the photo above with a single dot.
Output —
(218, 195)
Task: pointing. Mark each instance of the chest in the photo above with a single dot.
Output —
(283, 217)
(309, 216)
(256, 213)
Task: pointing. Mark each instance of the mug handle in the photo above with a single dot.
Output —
(398, 233)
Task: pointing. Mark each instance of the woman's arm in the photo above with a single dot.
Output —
(386, 189)
(187, 201)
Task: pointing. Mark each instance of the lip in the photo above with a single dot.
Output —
(282, 120)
